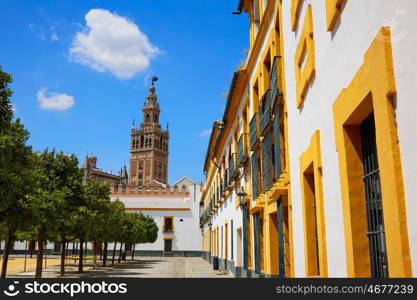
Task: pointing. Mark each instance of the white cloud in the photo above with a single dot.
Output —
(54, 101)
(206, 132)
(112, 43)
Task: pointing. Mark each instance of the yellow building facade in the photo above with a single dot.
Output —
(309, 173)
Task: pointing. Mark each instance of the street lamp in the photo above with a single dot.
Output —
(242, 197)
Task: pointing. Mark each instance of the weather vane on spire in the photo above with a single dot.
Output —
(153, 79)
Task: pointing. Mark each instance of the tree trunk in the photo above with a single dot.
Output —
(62, 270)
(95, 254)
(31, 246)
(114, 253)
(81, 262)
(85, 252)
(41, 237)
(7, 247)
(124, 252)
(106, 244)
(133, 251)
(120, 253)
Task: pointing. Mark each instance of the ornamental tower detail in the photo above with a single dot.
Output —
(149, 145)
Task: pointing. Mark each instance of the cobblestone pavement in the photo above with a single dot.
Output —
(143, 267)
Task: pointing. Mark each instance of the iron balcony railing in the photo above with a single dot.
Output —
(253, 132)
(233, 169)
(265, 111)
(242, 150)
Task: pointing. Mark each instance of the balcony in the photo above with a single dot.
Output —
(265, 111)
(233, 170)
(242, 150)
(253, 132)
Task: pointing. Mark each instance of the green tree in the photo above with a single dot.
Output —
(57, 196)
(116, 220)
(98, 207)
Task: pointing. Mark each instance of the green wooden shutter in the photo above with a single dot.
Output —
(273, 84)
(277, 145)
(255, 181)
(267, 171)
(245, 236)
(281, 241)
(256, 243)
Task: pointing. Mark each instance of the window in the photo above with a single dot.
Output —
(283, 240)
(313, 210)
(372, 91)
(333, 9)
(168, 224)
(374, 208)
(305, 66)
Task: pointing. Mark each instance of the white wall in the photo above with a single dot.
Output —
(338, 57)
(187, 234)
(226, 213)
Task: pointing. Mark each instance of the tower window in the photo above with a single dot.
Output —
(168, 224)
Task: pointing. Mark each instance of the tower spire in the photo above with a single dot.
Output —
(149, 144)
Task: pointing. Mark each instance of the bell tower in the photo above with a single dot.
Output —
(149, 145)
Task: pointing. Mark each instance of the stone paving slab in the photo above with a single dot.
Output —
(143, 267)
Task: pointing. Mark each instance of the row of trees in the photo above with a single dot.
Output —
(43, 197)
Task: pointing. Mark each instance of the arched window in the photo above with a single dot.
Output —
(147, 118)
(141, 141)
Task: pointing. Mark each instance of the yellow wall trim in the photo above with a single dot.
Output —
(333, 8)
(310, 165)
(295, 13)
(372, 90)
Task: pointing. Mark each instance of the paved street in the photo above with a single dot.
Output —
(145, 267)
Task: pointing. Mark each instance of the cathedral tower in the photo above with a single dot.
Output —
(149, 145)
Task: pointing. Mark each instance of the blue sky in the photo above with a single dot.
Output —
(77, 85)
